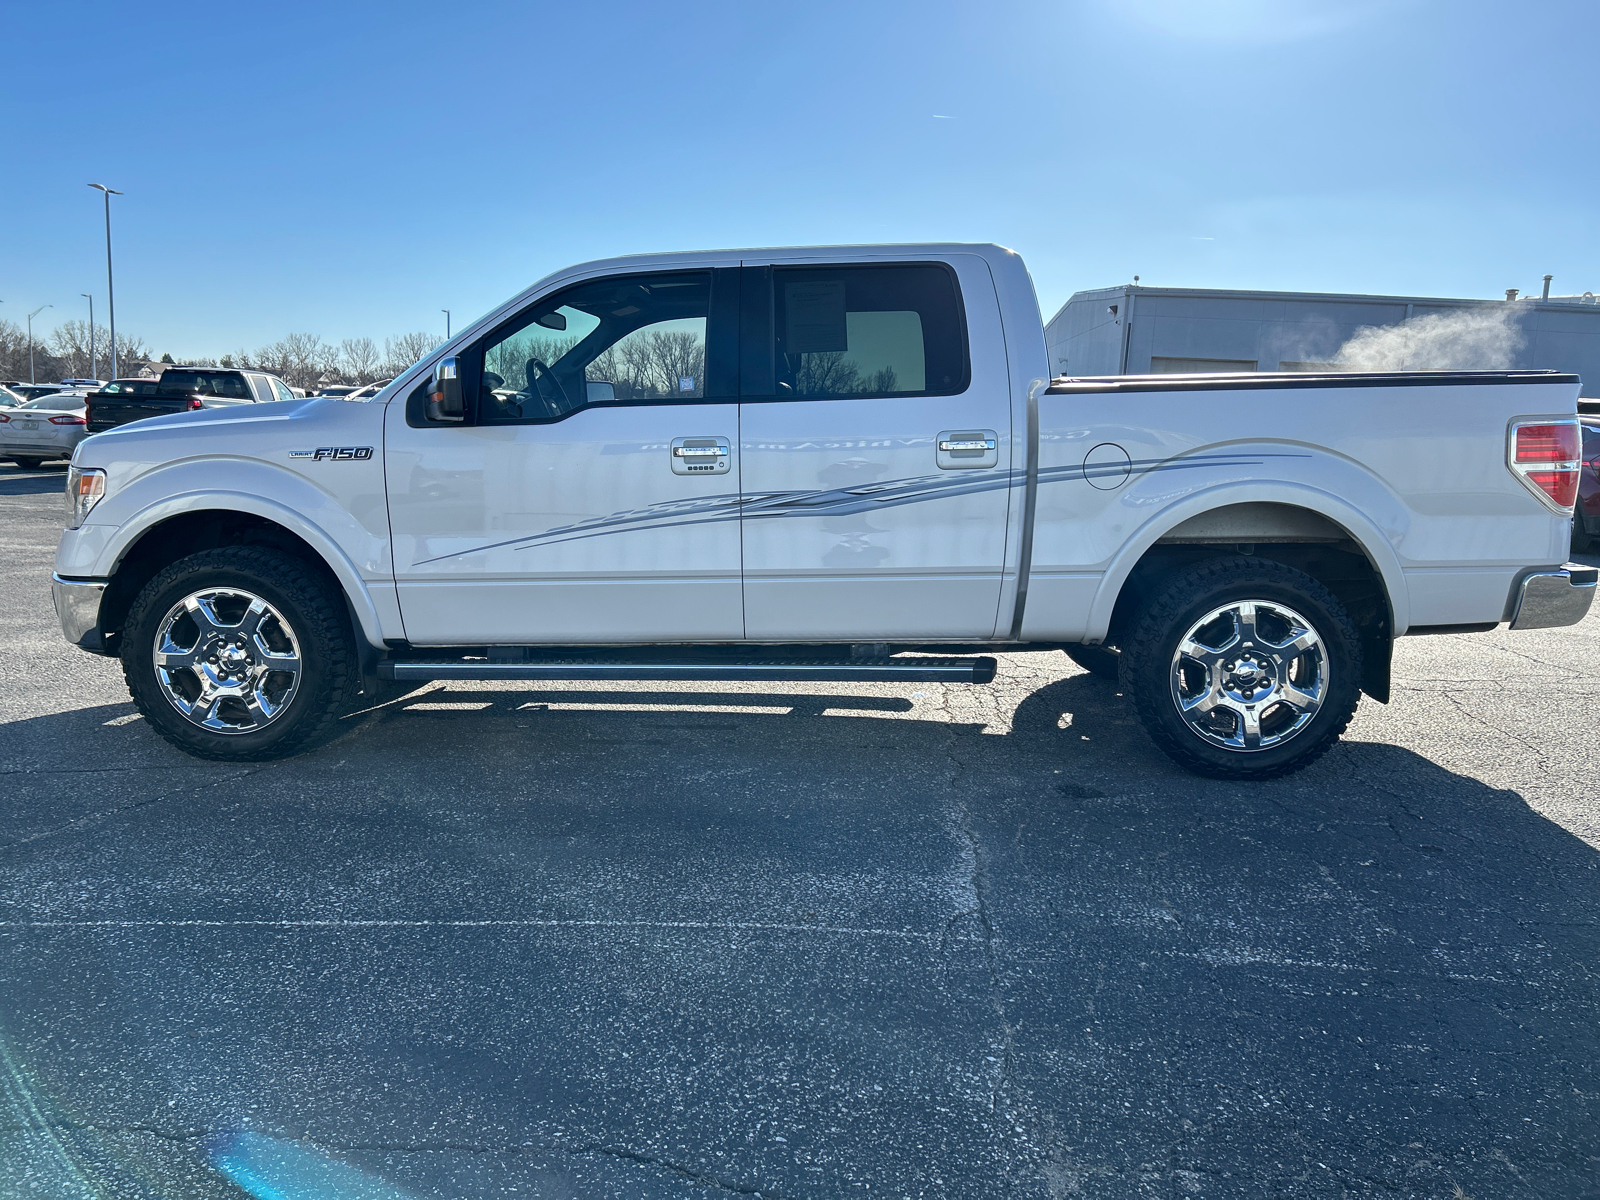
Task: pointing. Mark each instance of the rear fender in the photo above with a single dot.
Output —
(1361, 528)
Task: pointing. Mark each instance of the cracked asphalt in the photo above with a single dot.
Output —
(645, 941)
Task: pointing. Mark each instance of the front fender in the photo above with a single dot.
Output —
(355, 550)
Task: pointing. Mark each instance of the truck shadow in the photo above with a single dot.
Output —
(1374, 955)
(14, 481)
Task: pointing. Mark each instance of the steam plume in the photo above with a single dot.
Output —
(1474, 339)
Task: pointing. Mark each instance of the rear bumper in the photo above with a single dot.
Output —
(1547, 599)
(78, 609)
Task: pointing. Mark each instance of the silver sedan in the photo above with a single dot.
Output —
(47, 428)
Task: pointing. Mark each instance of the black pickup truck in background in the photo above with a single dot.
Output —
(180, 389)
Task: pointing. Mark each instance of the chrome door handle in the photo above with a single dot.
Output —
(701, 456)
(965, 449)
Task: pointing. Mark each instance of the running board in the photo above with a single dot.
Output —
(901, 670)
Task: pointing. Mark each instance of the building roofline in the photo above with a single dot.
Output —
(1324, 297)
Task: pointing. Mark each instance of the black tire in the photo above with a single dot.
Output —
(29, 464)
(317, 623)
(1152, 675)
(1103, 661)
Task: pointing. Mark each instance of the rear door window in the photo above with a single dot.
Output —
(858, 331)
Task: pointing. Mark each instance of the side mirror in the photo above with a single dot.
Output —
(444, 393)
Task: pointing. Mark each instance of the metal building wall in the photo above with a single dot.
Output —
(1189, 327)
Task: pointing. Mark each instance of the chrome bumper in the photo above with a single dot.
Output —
(1547, 599)
(78, 610)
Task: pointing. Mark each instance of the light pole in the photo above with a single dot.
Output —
(446, 313)
(95, 374)
(31, 316)
(111, 296)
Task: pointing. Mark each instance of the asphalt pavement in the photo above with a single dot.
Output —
(829, 940)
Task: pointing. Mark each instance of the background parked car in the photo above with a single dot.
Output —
(363, 394)
(9, 399)
(32, 391)
(1586, 512)
(181, 389)
(47, 428)
(133, 387)
(339, 390)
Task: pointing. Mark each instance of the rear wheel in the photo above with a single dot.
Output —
(28, 464)
(1243, 669)
(239, 654)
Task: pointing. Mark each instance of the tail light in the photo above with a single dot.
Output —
(69, 419)
(194, 403)
(1546, 456)
(4, 419)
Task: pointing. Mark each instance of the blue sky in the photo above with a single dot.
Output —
(351, 169)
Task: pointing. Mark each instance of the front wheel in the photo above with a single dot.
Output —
(239, 654)
(1243, 669)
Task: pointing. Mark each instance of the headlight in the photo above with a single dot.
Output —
(85, 486)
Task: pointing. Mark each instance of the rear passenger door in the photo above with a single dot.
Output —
(875, 435)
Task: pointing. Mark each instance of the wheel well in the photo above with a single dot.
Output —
(186, 534)
(1297, 538)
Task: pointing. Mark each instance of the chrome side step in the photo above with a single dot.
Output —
(892, 670)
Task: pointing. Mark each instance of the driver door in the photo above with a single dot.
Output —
(591, 495)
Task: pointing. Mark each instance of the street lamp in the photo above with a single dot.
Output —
(111, 296)
(93, 373)
(31, 316)
(446, 313)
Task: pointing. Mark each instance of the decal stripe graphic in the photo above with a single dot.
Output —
(867, 497)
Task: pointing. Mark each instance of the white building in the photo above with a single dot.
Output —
(1134, 330)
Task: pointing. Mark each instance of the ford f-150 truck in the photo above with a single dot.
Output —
(816, 464)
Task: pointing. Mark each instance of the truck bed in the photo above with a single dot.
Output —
(107, 412)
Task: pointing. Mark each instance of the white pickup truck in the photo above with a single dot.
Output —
(817, 464)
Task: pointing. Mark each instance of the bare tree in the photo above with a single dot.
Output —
(71, 343)
(14, 355)
(359, 359)
(403, 352)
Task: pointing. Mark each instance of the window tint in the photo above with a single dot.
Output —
(623, 338)
(226, 384)
(868, 331)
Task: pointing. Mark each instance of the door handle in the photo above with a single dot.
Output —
(700, 456)
(964, 449)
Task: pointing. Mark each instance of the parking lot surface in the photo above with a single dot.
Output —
(921, 940)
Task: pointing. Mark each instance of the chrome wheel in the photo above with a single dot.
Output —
(1249, 675)
(227, 660)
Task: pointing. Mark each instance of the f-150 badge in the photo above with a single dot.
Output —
(336, 453)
